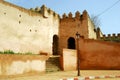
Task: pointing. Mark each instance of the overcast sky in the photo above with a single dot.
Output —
(109, 10)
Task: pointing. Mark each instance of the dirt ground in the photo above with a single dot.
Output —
(66, 74)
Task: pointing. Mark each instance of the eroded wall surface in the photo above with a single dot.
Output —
(91, 29)
(70, 59)
(22, 30)
(21, 64)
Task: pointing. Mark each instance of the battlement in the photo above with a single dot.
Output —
(84, 15)
(111, 36)
(45, 11)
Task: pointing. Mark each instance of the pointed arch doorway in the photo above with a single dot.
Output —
(55, 45)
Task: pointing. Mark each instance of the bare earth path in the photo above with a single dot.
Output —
(68, 74)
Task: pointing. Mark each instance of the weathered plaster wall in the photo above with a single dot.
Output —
(91, 29)
(26, 30)
(70, 59)
(21, 64)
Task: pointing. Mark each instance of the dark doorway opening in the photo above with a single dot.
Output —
(71, 43)
(55, 44)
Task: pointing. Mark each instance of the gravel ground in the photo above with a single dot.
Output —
(67, 74)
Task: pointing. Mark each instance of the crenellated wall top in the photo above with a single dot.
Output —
(44, 10)
(77, 15)
(111, 35)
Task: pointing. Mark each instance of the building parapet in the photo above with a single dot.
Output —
(19, 8)
(82, 16)
(114, 37)
(45, 11)
(111, 36)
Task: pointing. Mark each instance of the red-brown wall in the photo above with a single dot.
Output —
(96, 54)
(70, 25)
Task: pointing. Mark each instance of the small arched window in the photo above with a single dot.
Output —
(71, 43)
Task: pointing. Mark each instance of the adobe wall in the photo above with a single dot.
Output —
(21, 64)
(100, 55)
(70, 25)
(23, 30)
(95, 55)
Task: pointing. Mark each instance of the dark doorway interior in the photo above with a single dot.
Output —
(55, 44)
(71, 43)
